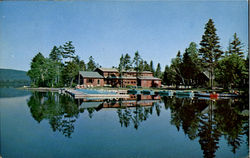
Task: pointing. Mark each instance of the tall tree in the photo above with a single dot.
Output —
(236, 46)
(210, 51)
(55, 54)
(56, 57)
(136, 61)
(231, 71)
(152, 67)
(146, 67)
(176, 65)
(121, 67)
(127, 62)
(191, 66)
(168, 76)
(158, 71)
(36, 72)
(68, 50)
(91, 65)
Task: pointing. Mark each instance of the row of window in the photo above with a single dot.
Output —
(90, 80)
(130, 82)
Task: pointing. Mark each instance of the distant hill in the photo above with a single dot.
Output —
(13, 75)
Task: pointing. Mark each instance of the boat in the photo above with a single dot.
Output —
(164, 93)
(186, 94)
(215, 95)
(147, 92)
(133, 91)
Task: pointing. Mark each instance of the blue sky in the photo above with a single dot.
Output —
(106, 29)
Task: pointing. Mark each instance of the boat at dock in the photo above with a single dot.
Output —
(147, 92)
(215, 95)
(164, 93)
(133, 91)
(183, 93)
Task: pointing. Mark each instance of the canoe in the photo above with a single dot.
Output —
(164, 93)
(147, 92)
(133, 91)
(182, 93)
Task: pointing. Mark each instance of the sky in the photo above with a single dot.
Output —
(107, 29)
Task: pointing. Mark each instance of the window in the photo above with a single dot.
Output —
(90, 80)
(98, 81)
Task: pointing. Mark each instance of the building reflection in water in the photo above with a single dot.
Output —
(205, 120)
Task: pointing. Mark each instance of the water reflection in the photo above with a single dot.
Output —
(205, 120)
(208, 120)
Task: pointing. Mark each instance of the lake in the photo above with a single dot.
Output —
(44, 124)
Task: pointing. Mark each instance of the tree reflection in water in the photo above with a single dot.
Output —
(136, 115)
(208, 120)
(205, 120)
(60, 110)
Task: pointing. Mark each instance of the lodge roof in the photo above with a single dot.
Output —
(108, 69)
(90, 74)
(115, 70)
(148, 78)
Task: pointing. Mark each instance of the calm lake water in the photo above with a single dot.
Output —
(35, 124)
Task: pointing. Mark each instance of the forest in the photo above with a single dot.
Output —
(226, 69)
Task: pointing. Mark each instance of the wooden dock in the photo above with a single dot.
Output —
(77, 95)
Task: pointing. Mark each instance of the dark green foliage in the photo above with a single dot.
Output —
(168, 76)
(146, 67)
(210, 51)
(56, 71)
(191, 66)
(176, 66)
(152, 67)
(231, 71)
(91, 65)
(236, 46)
(68, 50)
(127, 62)
(136, 62)
(158, 72)
(55, 54)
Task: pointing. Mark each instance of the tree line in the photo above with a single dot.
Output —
(60, 68)
(63, 65)
(230, 69)
(196, 67)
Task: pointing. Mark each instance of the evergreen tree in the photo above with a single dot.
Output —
(121, 68)
(36, 73)
(91, 65)
(158, 71)
(68, 50)
(146, 66)
(152, 67)
(210, 51)
(191, 64)
(236, 46)
(55, 54)
(231, 71)
(127, 62)
(176, 64)
(168, 76)
(136, 62)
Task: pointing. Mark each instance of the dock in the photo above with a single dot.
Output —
(78, 95)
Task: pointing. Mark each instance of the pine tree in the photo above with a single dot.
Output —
(91, 65)
(158, 71)
(210, 51)
(236, 46)
(152, 67)
(127, 62)
(68, 50)
(136, 62)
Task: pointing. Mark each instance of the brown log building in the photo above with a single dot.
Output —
(111, 77)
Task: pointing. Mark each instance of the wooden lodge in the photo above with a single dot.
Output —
(112, 78)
